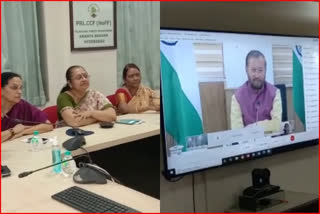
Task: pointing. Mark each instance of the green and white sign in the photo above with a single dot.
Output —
(93, 25)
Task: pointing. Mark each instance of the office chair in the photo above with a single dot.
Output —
(112, 99)
(52, 113)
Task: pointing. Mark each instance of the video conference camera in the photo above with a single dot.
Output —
(256, 197)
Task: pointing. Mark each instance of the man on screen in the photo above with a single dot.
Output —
(256, 101)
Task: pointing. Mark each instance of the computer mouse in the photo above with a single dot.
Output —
(106, 125)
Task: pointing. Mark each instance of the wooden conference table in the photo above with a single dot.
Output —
(33, 193)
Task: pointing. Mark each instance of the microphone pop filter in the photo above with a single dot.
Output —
(24, 174)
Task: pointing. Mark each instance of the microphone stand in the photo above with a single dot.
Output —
(87, 154)
(17, 121)
(24, 174)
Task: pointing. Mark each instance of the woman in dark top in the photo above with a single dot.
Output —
(15, 110)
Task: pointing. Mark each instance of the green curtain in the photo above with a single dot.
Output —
(20, 47)
(138, 40)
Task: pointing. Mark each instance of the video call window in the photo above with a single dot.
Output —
(229, 94)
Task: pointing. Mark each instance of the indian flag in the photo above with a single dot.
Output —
(180, 91)
(297, 80)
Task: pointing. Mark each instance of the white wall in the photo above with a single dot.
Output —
(216, 190)
(100, 64)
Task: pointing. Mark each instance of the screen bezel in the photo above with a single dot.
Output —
(277, 150)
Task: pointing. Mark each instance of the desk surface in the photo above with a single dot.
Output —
(119, 134)
(33, 193)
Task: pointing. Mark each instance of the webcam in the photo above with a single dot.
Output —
(260, 177)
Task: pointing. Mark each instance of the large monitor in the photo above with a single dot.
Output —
(231, 97)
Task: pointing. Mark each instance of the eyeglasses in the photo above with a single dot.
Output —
(15, 87)
(79, 77)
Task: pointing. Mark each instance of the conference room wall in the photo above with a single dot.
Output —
(217, 189)
(57, 56)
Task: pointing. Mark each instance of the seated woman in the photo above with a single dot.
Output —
(78, 105)
(15, 112)
(133, 97)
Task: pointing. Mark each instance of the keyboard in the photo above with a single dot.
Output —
(89, 202)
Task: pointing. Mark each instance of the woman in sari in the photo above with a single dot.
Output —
(18, 117)
(78, 105)
(133, 97)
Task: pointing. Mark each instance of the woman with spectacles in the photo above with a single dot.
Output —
(78, 105)
(15, 112)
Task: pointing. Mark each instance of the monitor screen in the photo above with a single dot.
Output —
(231, 97)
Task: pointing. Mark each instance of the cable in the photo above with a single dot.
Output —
(175, 179)
(115, 179)
(105, 171)
(87, 153)
(92, 165)
(169, 178)
(91, 162)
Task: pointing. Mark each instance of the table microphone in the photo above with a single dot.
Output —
(87, 173)
(16, 120)
(75, 130)
(24, 174)
(73, 143)
(27, 121)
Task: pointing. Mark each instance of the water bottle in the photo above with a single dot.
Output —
(56, 156)
(69, 167)
(36, 141)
